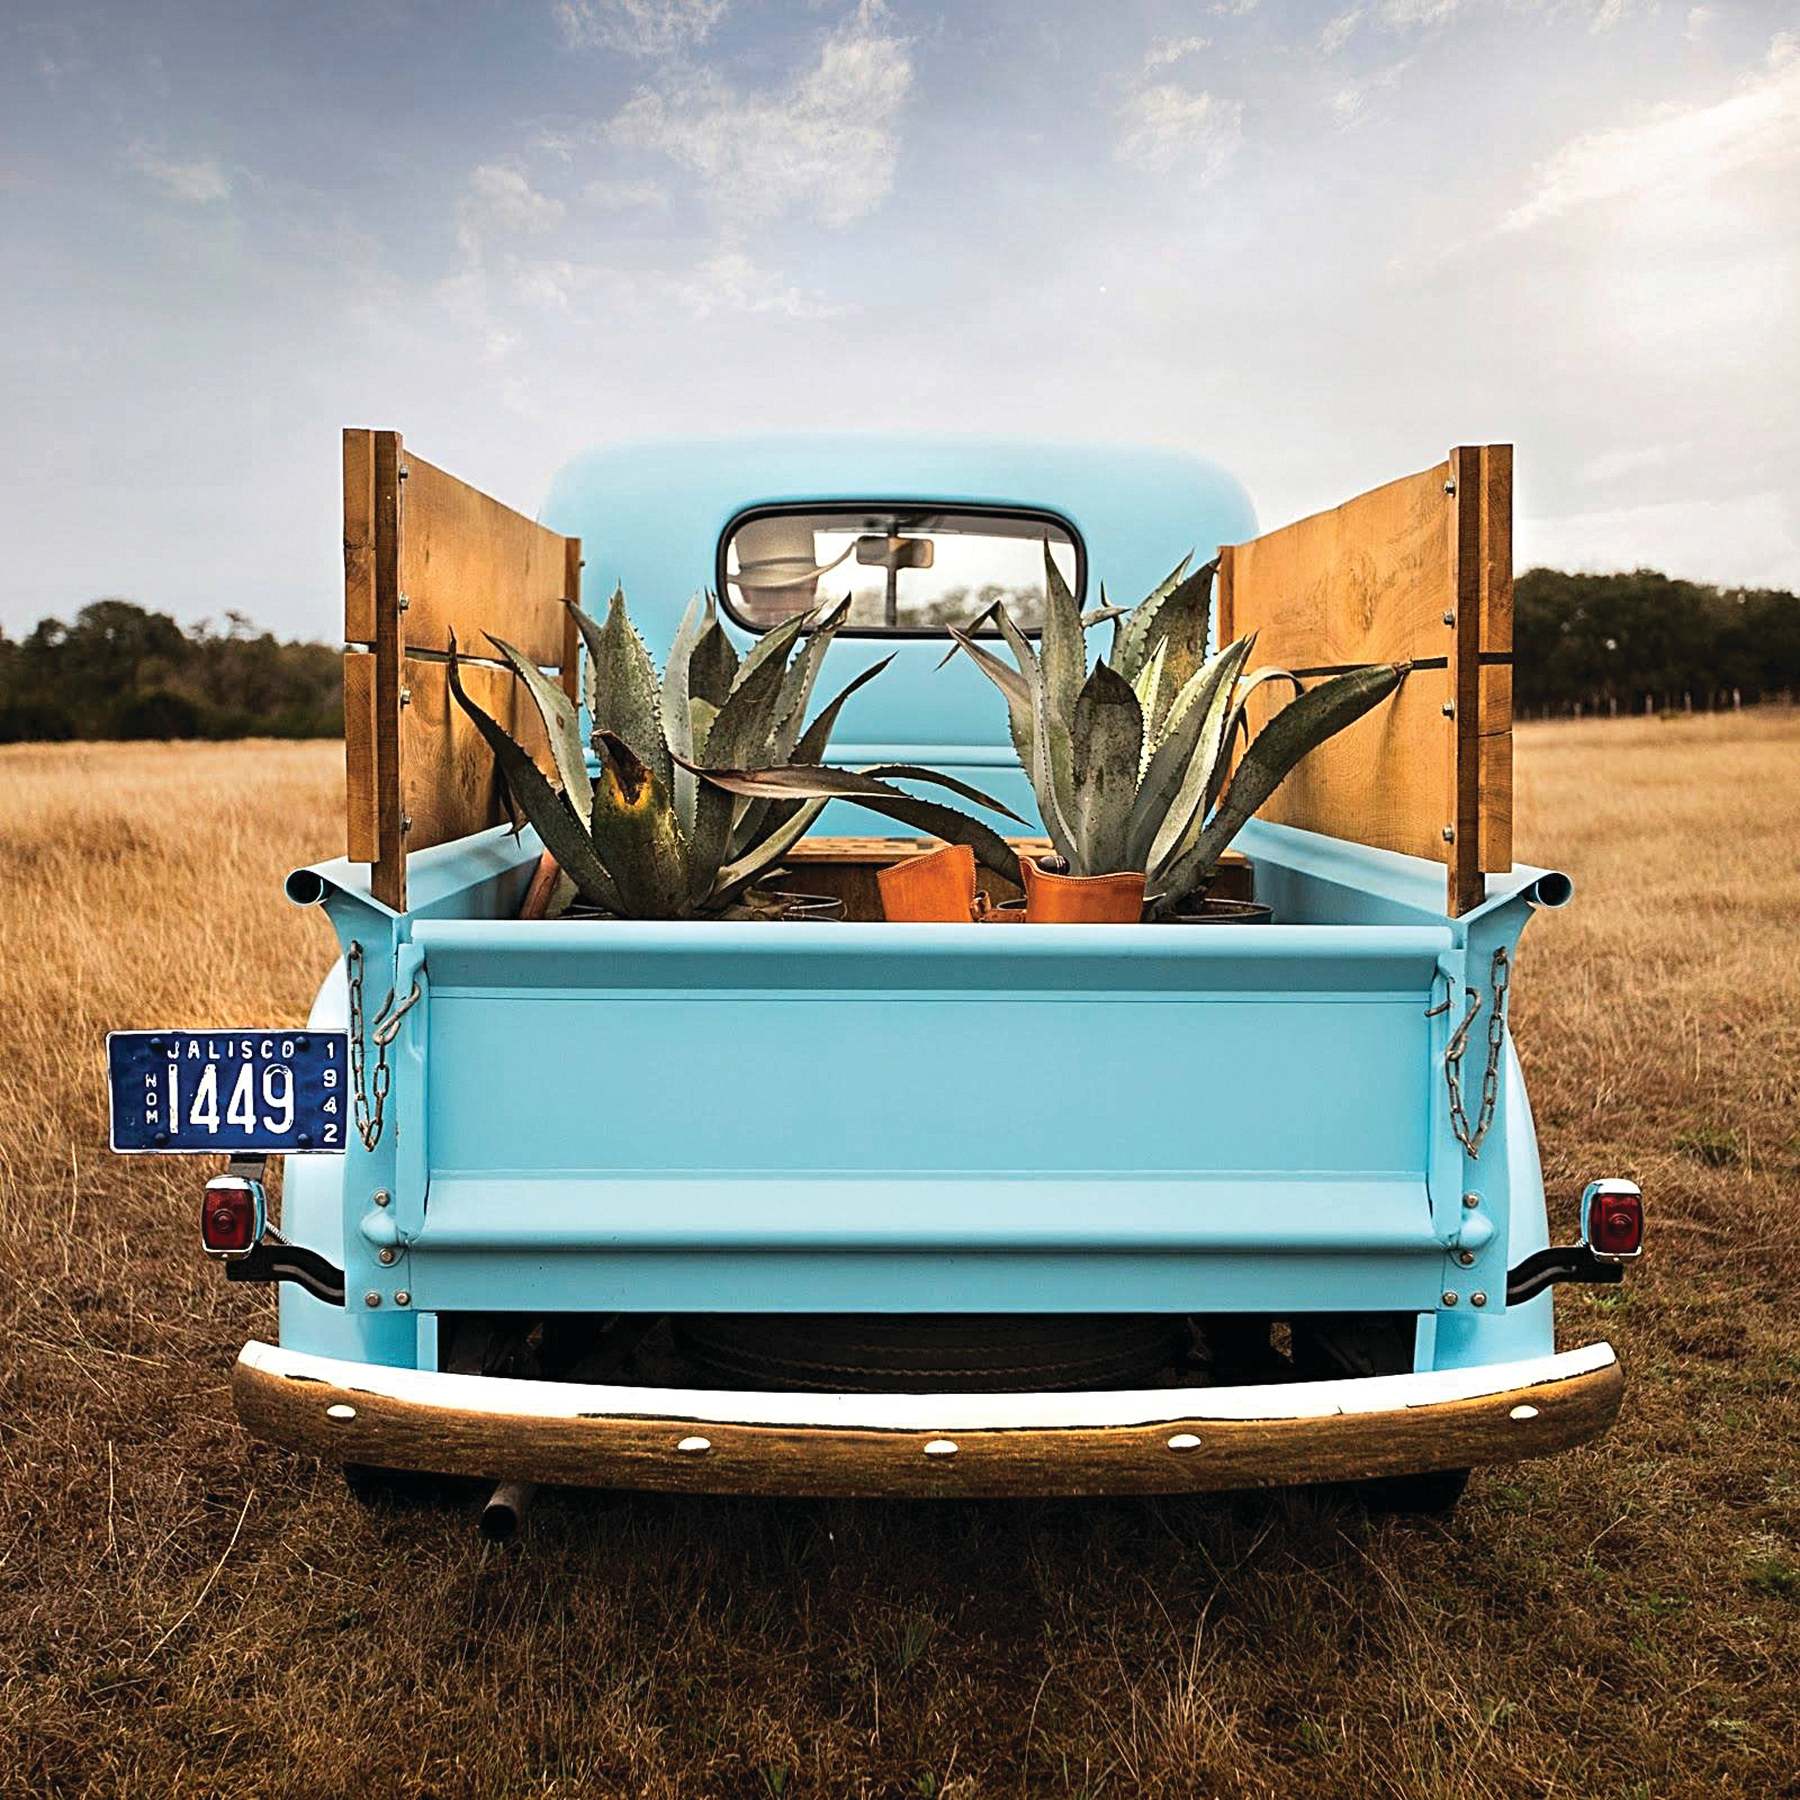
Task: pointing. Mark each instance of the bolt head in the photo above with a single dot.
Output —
(1465, 1257)
(403, 1296)
(1449, 834)
(1478, 1298)
(1471, 1201)
(383, 1197)
(387, 1254)
(1449, 1298)
(371, 1298)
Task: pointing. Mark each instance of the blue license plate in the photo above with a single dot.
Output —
(232, 1091)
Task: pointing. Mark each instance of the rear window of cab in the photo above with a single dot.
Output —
(910, 570)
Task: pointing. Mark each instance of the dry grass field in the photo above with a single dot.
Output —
(183, 1611)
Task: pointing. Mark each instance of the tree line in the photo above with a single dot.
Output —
(1644, 642)
(1582, 644)
(120, 671)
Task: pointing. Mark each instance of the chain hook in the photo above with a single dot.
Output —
(370, 1098)
(1471, 1136)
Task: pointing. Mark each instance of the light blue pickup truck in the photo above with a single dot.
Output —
(832, 1205)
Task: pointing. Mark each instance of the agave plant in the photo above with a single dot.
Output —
(650, 834)
(1130, 760)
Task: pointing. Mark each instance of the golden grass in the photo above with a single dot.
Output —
(184, 1611)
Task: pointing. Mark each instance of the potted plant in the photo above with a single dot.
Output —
(654, 833)
(1131, 760)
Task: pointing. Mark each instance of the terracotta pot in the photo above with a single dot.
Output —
(1052, 899)
(543, 885)
(935, 889)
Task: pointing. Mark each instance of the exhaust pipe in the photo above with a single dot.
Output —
(506, 1508)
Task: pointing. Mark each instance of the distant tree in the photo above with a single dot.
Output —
(120, 671)
(1600, 642)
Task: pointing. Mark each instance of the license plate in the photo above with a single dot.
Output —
(234, 1091)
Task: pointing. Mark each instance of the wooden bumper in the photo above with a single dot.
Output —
(716, 1442)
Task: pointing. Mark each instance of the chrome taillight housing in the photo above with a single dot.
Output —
(1612, 1220)
(233, 1215)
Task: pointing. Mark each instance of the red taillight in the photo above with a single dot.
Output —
(1614, 1222)
(231, 1215)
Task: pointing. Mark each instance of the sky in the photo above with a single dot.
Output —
(1319, 243)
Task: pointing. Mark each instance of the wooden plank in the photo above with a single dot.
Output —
(366, 1422)
(571, 635)
(1364, 582)
(1419, 570)
(387, 881)
(359, 537)
(452, 786)
(1464, 887)
(470, 566)
(361, 840)
(1496, 717)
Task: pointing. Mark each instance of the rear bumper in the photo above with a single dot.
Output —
(1158, 1440)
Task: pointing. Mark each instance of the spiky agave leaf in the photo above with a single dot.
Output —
(1181, 625)
(636, 833)
(1177, 788)
(713, 666)
(827, 783)
(1131, 640)
(562, 727)
(1148, 686)
(1015, 687)
(552, 814)
(802, 677)
(1302, 725)
(1107, 740)
(675, 702)
(1064, 652)
(784, 834)
(739, 735)
(622, 685)
(817, 736)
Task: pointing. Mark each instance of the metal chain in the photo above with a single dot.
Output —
(1470, 1137)
(368, 1112)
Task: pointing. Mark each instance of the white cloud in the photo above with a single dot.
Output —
(201, 183)
(639, 27)
(1350, 104)
(613, 195)
(1699, 20)
(1166, 126)
(824, 145)
(1165, 52)
(1338, 31)
(1235, 9)
(731, 283)
(1677, 147)
(501, 202)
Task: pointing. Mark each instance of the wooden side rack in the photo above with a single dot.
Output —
(429, 560)
(1417, 571)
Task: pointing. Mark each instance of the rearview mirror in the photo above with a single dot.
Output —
(895, 552)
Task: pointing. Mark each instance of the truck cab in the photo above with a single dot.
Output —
(848, 1206)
